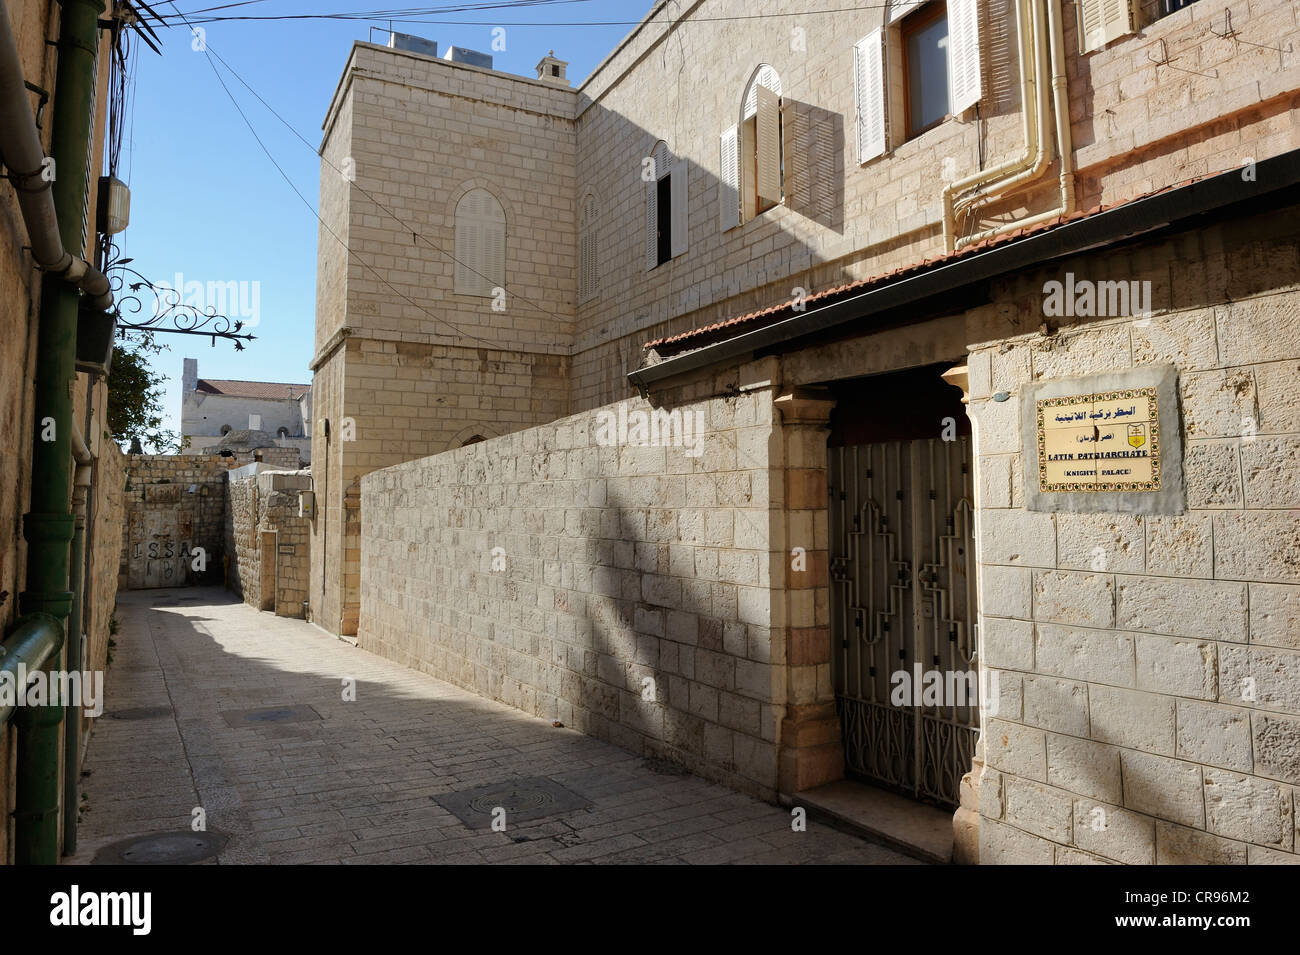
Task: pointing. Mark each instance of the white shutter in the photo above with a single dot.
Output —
(1101, 21)
(588, 274)
(651, 224)
(901, 8)
(729, 179)
(769, 145)
(464, 252)
(766, 78)
(494, 254)
(869, 90)
(963, 55)
(480, 244)
(681, 215)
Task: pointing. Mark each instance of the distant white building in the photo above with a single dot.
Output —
(212, 408)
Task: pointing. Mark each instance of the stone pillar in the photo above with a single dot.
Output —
(966, 820)
(810, 750)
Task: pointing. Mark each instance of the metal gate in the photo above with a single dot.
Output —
(903, 611)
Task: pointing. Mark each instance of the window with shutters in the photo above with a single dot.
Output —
(1101, 21)
(666, 180)
(588, 269)
(480, 244)
(761, 164)
(920, 69)
(924, 36)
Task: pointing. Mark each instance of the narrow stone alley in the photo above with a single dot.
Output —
(216, 707)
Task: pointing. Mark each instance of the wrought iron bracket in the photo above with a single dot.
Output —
(169, 313)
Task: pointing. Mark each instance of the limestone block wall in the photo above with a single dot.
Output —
(262, 520)
(625, 590)
(106, 534)
(395, 401)
(1148, 666)
(243, 549)
(166, 520)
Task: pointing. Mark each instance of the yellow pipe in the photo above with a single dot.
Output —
(1064, 139)
(1029, 96)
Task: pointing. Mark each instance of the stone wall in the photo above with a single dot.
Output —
(174, 503)
(626, 591)
(105, 535)
(262, 519)
(1148, 665)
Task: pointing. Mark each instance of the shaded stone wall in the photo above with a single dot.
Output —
(174, 503)
(626, 591)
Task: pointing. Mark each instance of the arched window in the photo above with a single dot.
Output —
(588, 269)
(666, 224)
(751, 160)
(472, 439)
(225, 429)
(480, 244)
(282, 433)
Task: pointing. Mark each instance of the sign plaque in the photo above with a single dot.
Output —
(1108, 442)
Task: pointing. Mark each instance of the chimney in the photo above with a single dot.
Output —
(189, 375)
(551, 70)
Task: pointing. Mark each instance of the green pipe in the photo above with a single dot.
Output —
(34, 641)
(48, 526)
(72, 722)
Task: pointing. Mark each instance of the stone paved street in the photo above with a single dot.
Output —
(358, 784)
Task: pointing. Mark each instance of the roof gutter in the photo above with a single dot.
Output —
(1120, 224)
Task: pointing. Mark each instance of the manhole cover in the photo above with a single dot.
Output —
(522, 799)
(140, 713)
(270, 714)
(163, 848)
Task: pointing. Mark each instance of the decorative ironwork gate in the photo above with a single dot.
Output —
(903, 611)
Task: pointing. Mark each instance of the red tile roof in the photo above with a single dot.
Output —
(825, 295)
(251, 389)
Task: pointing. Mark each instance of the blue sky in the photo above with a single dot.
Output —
(207, 204)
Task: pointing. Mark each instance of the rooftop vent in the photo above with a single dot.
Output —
(458, 54)
(412, 44)
(551, 70)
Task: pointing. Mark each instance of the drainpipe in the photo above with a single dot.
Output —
(76, 645)
(1064, 139)
(1033, 100)
(20, 145)
(49, 525)
(34, 641)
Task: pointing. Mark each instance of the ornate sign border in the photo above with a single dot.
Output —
(1069, 487)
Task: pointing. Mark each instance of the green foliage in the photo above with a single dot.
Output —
(135, 397)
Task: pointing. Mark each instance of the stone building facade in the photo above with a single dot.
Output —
(212, 408)
(853, 352)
